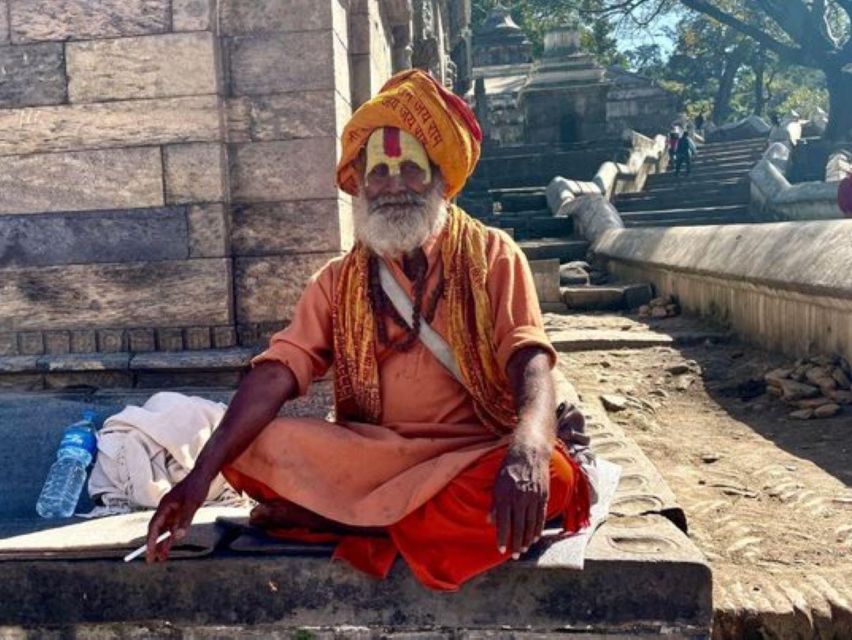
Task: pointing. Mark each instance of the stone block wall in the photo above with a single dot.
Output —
(288, 98)
(167, 169)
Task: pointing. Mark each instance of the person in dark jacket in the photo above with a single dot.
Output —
(685, 150)
(673, 139)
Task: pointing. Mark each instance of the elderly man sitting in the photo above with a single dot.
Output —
(444, 448)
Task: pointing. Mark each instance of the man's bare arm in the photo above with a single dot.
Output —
(257, 401)
(521, 488)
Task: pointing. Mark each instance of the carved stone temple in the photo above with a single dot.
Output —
(567, 96)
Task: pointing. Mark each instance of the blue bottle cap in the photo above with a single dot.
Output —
(89, 415)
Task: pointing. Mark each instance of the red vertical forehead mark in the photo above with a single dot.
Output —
(393, 148)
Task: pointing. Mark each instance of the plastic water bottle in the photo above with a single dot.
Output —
(65, 480)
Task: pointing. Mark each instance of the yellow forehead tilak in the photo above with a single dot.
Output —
(392, 147)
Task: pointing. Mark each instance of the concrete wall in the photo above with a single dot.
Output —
(167, 169)
(784, 286)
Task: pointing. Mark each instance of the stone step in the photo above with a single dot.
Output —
(562, 249)
(693, 222)
(715, 186)
(156, 369)
(686, 199)
(685, 213)
(615, 297)
(641, 554)
(521, 202)
(541, 227)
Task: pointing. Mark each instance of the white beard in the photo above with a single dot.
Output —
(394, 225)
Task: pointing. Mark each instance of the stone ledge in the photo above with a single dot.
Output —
(154, 370)
(783, 286)
(640, 574)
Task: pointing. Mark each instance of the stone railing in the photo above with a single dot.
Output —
(775, 198)
(592, 216)
(784, 286)
(648, 156)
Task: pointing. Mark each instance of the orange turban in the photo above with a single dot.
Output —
(415, 102)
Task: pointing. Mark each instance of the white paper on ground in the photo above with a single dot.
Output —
(571, 550)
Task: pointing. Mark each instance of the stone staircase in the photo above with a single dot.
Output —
(508, 192)
(717, 191)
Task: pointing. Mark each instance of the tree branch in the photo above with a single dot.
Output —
(783, 50)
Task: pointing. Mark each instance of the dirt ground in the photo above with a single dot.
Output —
(768, 498)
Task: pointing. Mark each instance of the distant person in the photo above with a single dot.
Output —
(674, 138)
(699, 123)
(685, 150)
(775, 119)
(844, 196)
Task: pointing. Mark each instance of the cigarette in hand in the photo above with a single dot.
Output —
(138, 552)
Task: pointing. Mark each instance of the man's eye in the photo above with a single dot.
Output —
(410, 170)
(379, 171)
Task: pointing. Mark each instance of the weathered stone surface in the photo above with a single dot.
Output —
(546, 277)
(79, 19)
(257, 16)
(85, 362)
(82, 180)
(208, 359)
(182, 293)
(208, 231)
(109, 124)
(141, 340)
(88, 379)
(224, 337)
(793, 390)
(79, 238)
(32, 75)
(4, 22)
(193, 15)
(18, 364)
(175, 379)
(827, 411)
(83, 341)
(22, 381)
(268, 288)
(8, 344)
(31, 343)
(176, 64)
(256, 65)
(57, 342)
(286, 227)
(169, 339)
(300, 114)
(112, 340)
(195, 172)
(613, 402)
(272, 171)
(197, 338)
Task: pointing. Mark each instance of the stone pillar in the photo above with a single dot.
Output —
(371, 43)
(288, 100)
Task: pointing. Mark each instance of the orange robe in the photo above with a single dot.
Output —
(427, 471)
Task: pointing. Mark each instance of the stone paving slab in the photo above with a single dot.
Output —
(602, 340)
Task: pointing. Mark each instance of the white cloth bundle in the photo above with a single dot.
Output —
(144, 451)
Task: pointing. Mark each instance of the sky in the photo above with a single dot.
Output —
(652, 35)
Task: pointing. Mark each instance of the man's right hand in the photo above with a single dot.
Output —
(174, 514)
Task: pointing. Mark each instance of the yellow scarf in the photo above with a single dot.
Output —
(470, 330)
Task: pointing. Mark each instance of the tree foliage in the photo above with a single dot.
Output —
(536, 17)
(784, 34)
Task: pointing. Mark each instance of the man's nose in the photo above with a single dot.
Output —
(395, 184)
